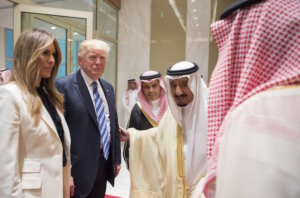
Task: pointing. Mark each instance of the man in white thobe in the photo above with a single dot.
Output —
(129, 98)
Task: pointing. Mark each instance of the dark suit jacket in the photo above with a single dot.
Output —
(85, 136)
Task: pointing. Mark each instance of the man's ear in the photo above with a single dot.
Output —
(79, 59)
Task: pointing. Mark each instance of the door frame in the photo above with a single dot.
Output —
(53, 13)
(19, 8)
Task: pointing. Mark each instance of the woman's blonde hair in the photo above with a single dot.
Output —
(26, 71)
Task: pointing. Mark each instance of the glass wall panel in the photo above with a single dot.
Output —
(105, 25)
(9, 45)
(69, 32)
(110, 73)
(107, 30)
(77, 39)
(6, 37)
(108, 19)
(61, 35)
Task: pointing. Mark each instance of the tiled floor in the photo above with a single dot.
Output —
(122, 182)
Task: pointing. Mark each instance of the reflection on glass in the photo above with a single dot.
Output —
(6, 33)
(108, 20)
(111, 65)
(8, 47)
(77, 39)
(60, 34)
(69, 32)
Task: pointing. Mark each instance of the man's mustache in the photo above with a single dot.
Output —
(181, 95)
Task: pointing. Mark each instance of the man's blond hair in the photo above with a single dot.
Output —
(93, 44)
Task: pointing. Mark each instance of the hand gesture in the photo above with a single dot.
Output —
(124, 134)
(71, 186)
(117, 169)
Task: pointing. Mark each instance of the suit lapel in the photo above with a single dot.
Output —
(48, 120)
(84, 94)
(45, 116)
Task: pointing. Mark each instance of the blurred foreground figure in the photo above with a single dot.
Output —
(254, 102)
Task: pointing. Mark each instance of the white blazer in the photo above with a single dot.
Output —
(30, 157)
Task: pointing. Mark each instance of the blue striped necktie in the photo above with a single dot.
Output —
(101, 120)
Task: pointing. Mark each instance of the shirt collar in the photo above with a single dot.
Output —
(88, 81)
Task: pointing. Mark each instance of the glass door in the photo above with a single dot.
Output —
(68, 26)
(77, 37)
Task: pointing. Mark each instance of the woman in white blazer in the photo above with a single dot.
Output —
(34, 137)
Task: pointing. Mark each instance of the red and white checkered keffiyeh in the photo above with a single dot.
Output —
(163, 98)
(259, 48)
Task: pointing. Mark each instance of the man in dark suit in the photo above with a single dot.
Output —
(95, 144)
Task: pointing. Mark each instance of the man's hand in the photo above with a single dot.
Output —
(117, 169)
(71, 187)
(124, 134)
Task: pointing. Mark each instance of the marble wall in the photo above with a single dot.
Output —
(134, 40)
(133, 45)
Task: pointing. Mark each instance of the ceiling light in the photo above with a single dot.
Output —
(177, 13)
(53, 28)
